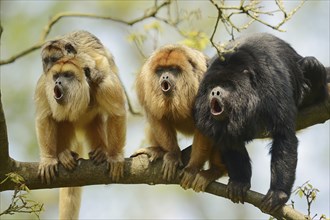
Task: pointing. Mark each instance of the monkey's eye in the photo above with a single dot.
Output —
(46, 60)
(67, 74)
(174, 69)
(70, 49)
(87, 71)
(160, 69)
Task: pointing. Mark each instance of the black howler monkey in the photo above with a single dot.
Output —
(258, 87)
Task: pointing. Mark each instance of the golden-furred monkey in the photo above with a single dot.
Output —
(79, 93)
(166, 89)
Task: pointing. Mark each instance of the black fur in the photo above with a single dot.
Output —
(261, 84)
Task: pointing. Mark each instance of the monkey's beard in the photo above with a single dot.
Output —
(71, 105)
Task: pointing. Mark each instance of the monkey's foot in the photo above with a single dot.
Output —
(236, 191)
(204, 178)
(188, 177)
(273, 200)
(171, 162)
(68, 159)
(153, 152)
(98, 156)
(48, 169)
(116, 167)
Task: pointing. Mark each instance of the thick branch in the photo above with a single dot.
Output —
(4, 155)
(138, 170)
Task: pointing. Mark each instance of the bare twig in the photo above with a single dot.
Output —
(252, 10)
(151, 12)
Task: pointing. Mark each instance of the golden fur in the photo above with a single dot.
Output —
(93, 104)
(169, 113)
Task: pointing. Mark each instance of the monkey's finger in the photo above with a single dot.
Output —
(47, 176)
(185, 181)
(41, 174)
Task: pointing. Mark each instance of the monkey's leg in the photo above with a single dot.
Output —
(116, 128)
(47, 138)
(96, 135)
(283, 170)
(66, 135)
(163, 134)
(201, 149)
(237, 161)
(216, 170)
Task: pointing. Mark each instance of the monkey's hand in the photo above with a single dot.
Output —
(48, 169)
(236, 191)
(171, 161)
(116, 167)
(153, 152)
(188, 176)
(273, 200)
(98, 156)
(68, 159)
(204, 178)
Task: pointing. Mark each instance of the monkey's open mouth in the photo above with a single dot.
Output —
(165, 85)
(58, 93)
(216, 107)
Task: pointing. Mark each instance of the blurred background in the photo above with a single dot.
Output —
(23, 22)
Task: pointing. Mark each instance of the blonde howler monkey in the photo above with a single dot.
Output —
(166, 88)
(79, 95)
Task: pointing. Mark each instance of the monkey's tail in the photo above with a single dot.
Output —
(69, 203)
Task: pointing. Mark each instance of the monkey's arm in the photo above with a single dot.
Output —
(47, 139)
(201, 150)
(111, 98)
(116, 127)
(162, 137)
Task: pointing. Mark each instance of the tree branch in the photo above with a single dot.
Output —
(138, 170)
(4, 151)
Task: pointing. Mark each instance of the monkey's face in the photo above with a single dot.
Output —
(69, 46)
(67, 89)
(170, 80)
(167, 78)
(55, 50)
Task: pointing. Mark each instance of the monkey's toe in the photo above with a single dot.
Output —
(170, 164)
(98, 156)
(48, 170)
(205, 177)
(200, 183)
(188, 177)
(116, 167)
(273, 200)
(236, 191)
(68, 159)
